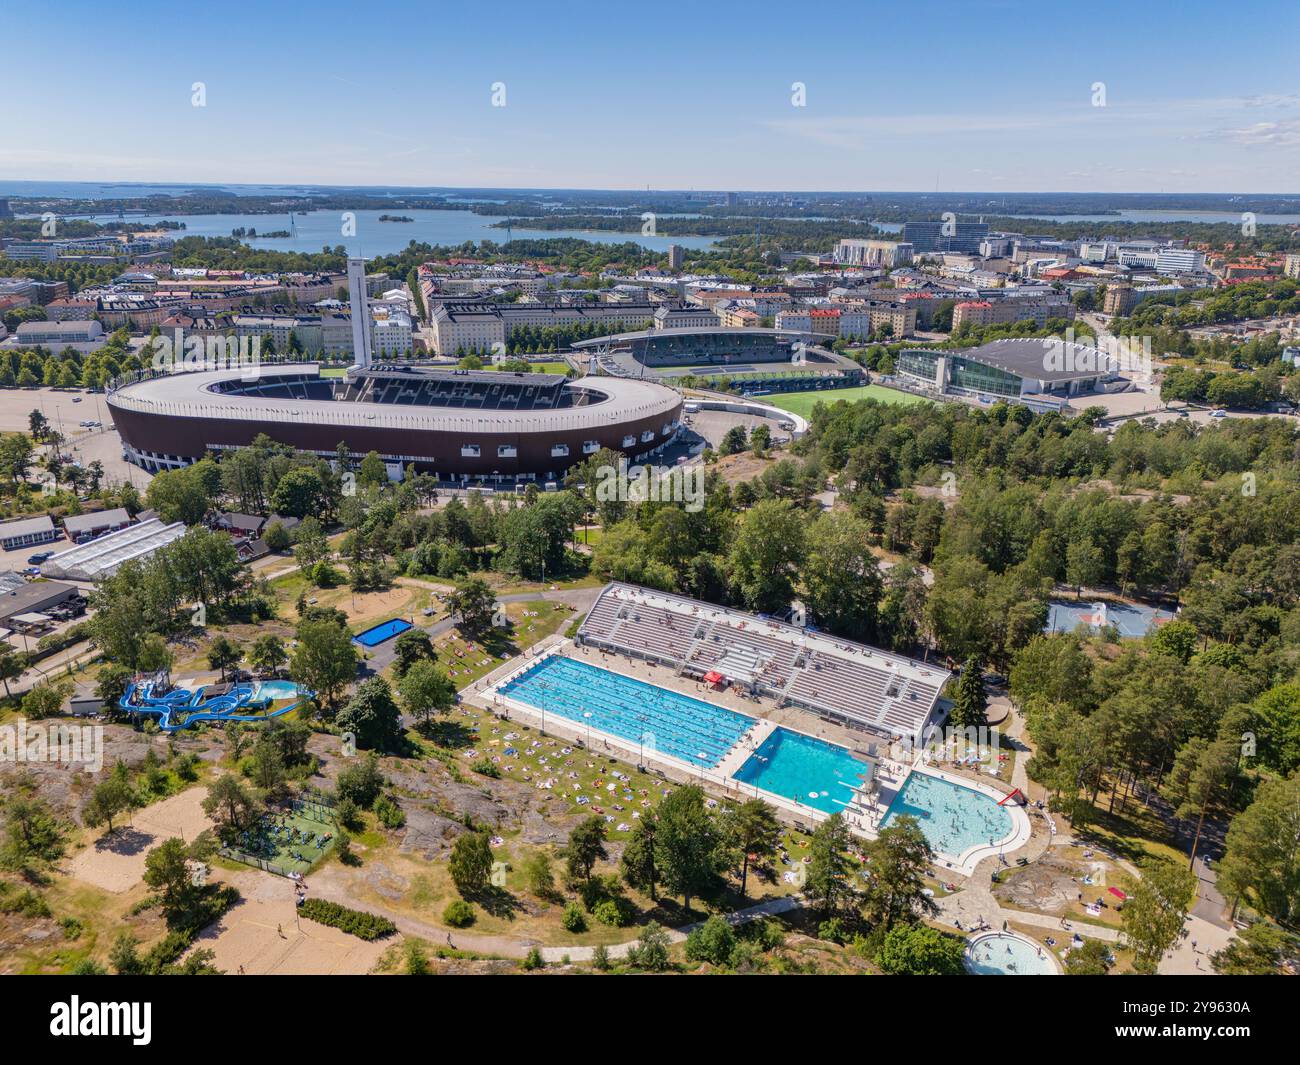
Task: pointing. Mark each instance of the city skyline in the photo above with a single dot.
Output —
(999, 97)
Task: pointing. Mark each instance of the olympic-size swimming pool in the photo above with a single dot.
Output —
(645, 714)
(803, 768)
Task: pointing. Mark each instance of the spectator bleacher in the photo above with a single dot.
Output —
(851, 682)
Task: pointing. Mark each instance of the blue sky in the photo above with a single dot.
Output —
(917, 95)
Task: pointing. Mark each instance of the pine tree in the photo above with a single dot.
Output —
(970, 704)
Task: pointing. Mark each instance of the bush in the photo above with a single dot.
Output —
(72, 928)
(26, 903)
(487, 768)
(533, 961)
(389, 813)
(458, 913)
(713, 942)
(610, 912)
(600, 958)
(574, 920)
(368, 926)
(348, 814)
(833, 931)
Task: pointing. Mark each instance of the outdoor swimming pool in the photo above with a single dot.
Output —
(1004, 954)
(377, 634)
(276, 689)
(665, 721)
(803, 768)
(953, 818)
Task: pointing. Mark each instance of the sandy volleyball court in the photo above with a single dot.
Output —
(262, 933)
(115, 862)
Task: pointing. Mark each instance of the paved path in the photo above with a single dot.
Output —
(518, 947)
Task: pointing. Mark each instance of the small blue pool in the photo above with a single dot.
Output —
(661, 720)
(803, 768)
(377, 634)
(952, 817)
(276, 689)
(1004, 954)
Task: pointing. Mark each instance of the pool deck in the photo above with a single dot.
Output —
(862, 816)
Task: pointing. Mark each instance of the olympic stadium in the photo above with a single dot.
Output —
(457, 424)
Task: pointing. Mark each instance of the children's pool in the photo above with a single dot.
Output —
(276, 689)
(952, 817)
(803, 768)
(1004, 954)
(377, 634)
(666, 721)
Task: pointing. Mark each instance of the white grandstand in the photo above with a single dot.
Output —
(848, 682)
(102, 557)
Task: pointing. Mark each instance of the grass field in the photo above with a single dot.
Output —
(802, 403)
(560, 368)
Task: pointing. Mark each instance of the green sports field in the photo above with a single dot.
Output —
(802, 403)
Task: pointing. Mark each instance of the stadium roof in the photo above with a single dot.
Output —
(613, 400)
(650, 334)
(1041, 358)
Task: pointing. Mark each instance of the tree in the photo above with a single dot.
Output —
(753, 831)
(12, 665)
(1260, 950)
(713, 941)
(1156, 910)
(919, 950)
(166, 870)
(372, 716)
(970, 704)
(268, 654)
(1094, 958)
(1261, 861)
(538, 875)
(651, 949)
(111, 684)
(1201, 781)
(426, 690)
(473, 604)
(224, 654)
(471, 863)
(828, 885)
(586, 847)
(841, 577)
(689, 851)
(409, 648)
(638, 861)
(34, 836)
(898, 860)
(112, 797)
(180, 495)
(325, 660)
(231, 806)
(766, 554)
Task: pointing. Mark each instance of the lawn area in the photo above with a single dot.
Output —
(560, 368)
(802, 403)
(468, 660)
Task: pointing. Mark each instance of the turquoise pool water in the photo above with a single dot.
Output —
(952, 817)
(666, 721)
(377, 634)
(276, 689)
(803, 768)
(1006, 955)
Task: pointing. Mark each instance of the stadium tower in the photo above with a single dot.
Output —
(360, 312)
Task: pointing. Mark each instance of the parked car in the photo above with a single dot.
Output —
(39, 557)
